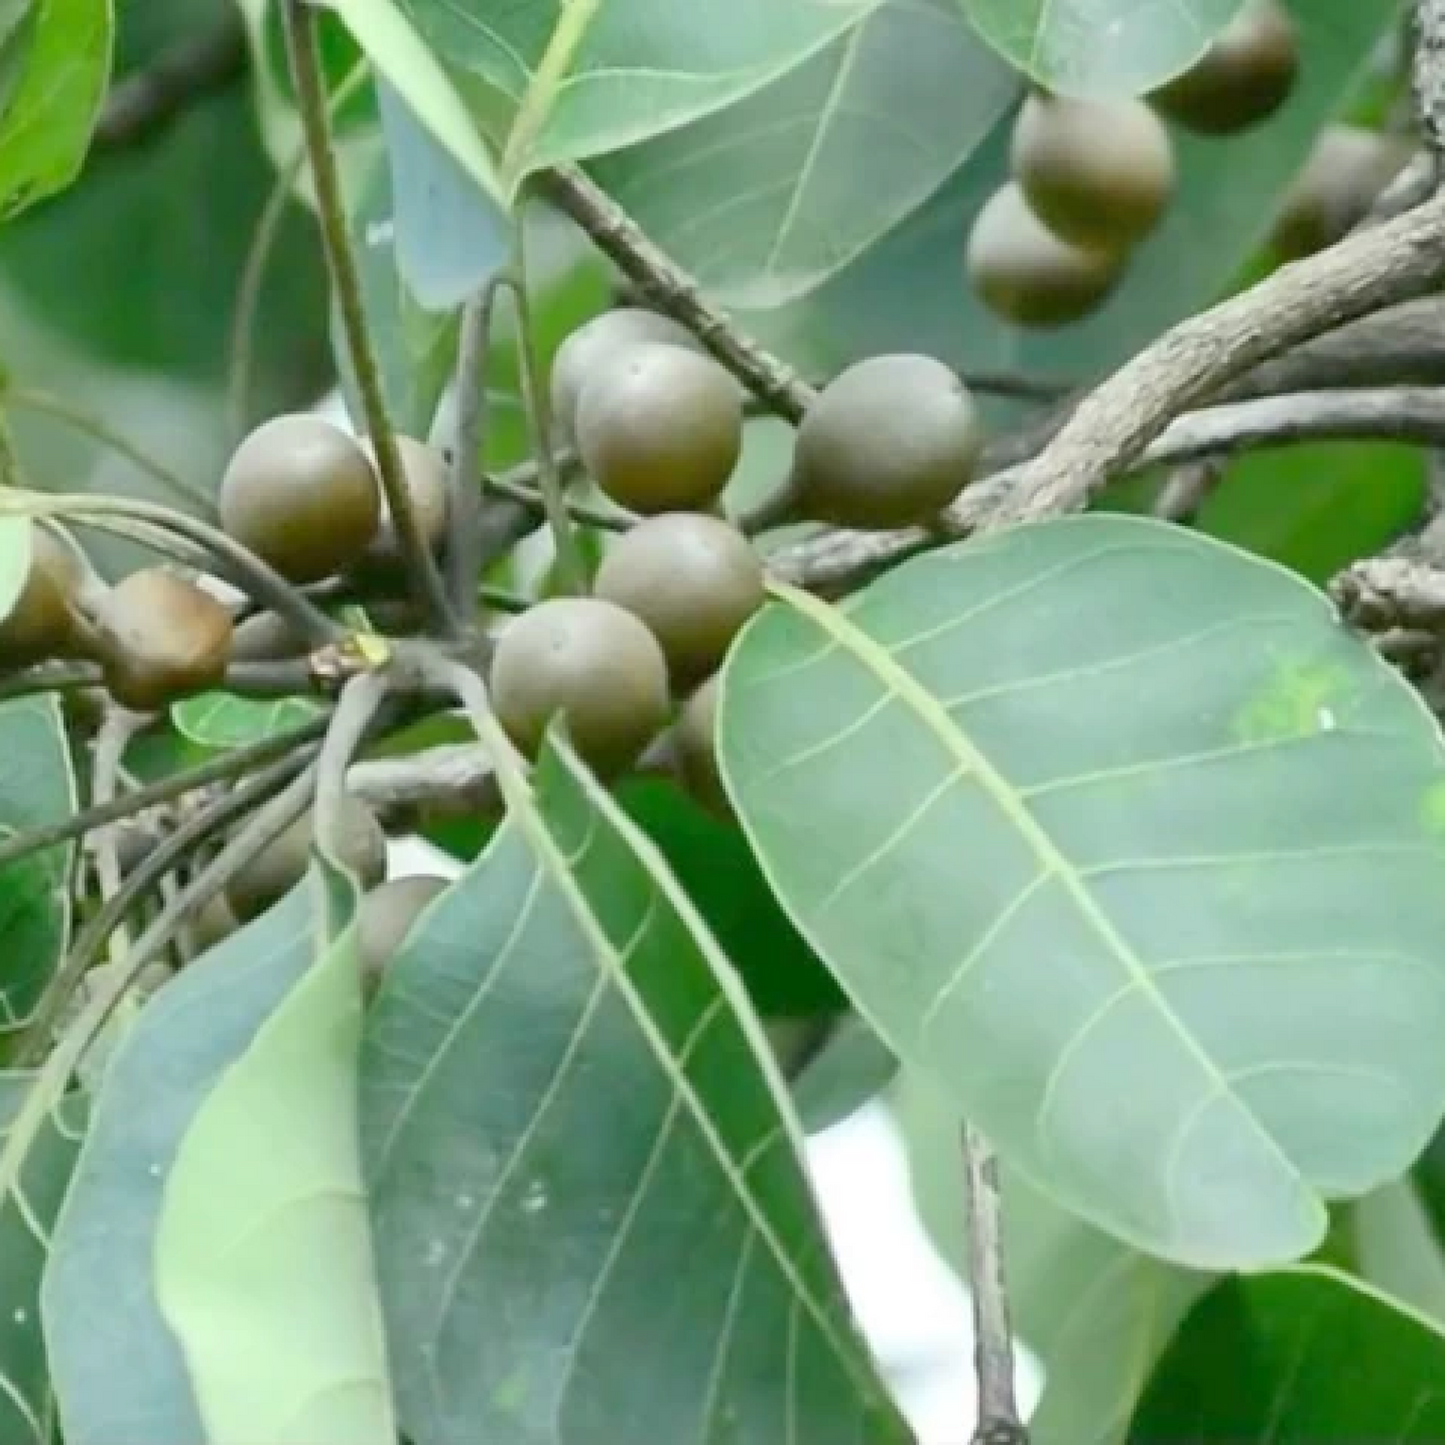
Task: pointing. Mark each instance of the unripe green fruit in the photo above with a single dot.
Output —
(588, 351)
(43, 623)
(302, 495)
(424, 475)
(593, 663)
(1343, 177)
(660, 429)
(694, 750)
(694, 581)
(276, 870)
(386, 917)
(1024, 273)
(1244, 76)
(160, 638)
(889, 442)
(1097, 173)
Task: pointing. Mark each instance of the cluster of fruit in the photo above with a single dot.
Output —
(1091, 178)
(658, 425)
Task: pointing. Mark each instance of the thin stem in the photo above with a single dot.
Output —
(667, 286)
(426, 582)
(263, 243)
(607, 521)
(91, 942)
(464, 543)
(81, 420)
(998, 1412)
(508, 765)
(49, 677)
(109, 748)
(355, 708)
(570, 567)
(261, 581)
(224, 769)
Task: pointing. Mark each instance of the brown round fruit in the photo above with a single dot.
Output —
(301, 494)
(424, 473)
(1026, 274)
(592, 663)
(694, 750)
(213, 924)
(694, 581)
(1097, 173)
(889, 442)
(387, 915)
(274, 872)
(160, 638)
(44, 622)
(660, 429)
(1344, 175)
(589, 350)
(1244, 76)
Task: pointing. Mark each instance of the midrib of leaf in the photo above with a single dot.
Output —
(550, 855)
(902, 684)
(572, 24)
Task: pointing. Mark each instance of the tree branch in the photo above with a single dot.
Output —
(669, 288)
(998, 1412)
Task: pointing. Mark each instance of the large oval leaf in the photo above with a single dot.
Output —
(1119, 835)
(592, 1219)
(263, 1259)
(766, 199)
(1303, 1357)
(119, 1374)
(1100, 47)
(558, 80)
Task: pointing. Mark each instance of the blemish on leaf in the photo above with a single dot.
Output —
(1301, 699)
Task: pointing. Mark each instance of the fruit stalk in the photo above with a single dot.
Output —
(357, 706)
(669, 288)
(539, 423)
(225, 769)
(464, 503)
(422, 572)
(293, 776)
(262, 583)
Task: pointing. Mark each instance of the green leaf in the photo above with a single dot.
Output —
(1100, 47)
(263, 1264)
(27, 1213)
(37, 788)
(592, 1218)
(560, 80)
(223, 720)
(1117, 833)
(834, 154)
(1094, 1312)
(712, 861)
(909, 292)
(14, 560)
(46, 124)
(119, 1373)
(1306, 1355)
